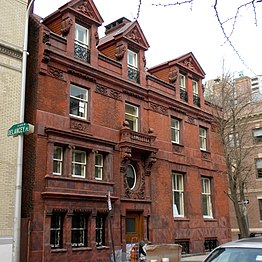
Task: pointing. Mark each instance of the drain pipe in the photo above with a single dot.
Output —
(19, 167)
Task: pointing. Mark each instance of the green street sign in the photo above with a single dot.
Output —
(21, 128)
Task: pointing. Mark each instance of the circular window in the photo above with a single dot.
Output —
(131, 176)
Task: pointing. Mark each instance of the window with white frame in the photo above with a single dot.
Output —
(78, 163)
(182, 81)
(131, 115)
(178, 195)
(175, 130)
(131, 176)
(257, 133)
(259, 167)
(81, 35)
(99, 164)
(195, 87)
(206, 197)
(203, 138)
(56, 230)
(79, 230)
(100, 229)
(57, 160)
(132, 59)
(78, 101)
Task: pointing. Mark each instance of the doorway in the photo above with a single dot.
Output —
(134, 227)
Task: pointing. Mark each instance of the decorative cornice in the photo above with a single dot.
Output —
(159, 109)
(108, 92)
(11, 51)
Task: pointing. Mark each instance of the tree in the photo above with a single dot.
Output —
(232, 109)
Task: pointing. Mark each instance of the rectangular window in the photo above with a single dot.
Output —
(203, 138)
(178, 195)
(79, 230)
(206, 197)
(57, 160)
(100, 229)
(182, 81)
(131, 115)
(257, 135)
(175, 130)
(132, 61)
(260, 208)
(56, 230)
(81, 43)
(195, 87)
(78, 101)
(259, 167)
(99, 166)
(78, 163)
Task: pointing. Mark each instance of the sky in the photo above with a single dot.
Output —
(173, 31)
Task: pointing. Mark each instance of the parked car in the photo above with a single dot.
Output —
(242, 250)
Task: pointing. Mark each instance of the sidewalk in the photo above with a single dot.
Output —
(193, 258)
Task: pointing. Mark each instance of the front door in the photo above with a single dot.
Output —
(134, 227)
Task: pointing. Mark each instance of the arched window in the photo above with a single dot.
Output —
(131, 176)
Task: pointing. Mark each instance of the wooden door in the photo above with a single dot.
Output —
(134, 227)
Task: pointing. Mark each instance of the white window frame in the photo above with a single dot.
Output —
(206, 194)
(203, 138)
(178, 188)
(182, 81)
(175, 129)
(99, 166)
(85, 41)
(135, 176)
(82, 102)
(195, 87)
(134, 118)
(132, 59)
(82, 164)
(58, 160)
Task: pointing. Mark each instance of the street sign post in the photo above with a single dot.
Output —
(21, 128)
(244, 202)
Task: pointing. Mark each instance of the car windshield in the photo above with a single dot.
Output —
(236, 254)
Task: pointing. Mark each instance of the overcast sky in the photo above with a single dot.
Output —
(176, 30)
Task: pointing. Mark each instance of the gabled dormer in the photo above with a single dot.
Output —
(78, 22)
(125, 42)
(186, 75)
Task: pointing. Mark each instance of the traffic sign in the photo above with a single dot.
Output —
(21, 128)
(244, 202)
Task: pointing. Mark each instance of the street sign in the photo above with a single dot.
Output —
(244, 202)
(109, 201)
(21, 128)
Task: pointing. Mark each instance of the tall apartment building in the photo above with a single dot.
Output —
(12, 19)
(104, 123)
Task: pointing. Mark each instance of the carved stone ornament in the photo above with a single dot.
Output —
(149, 163)
(189, 63)
(135, 36)
(56, 73)
(46, 38)
(173, 76)
(79, 126)
(120, 51)
(85, 9)
(66, 25)
(126, 154)
(97, 37)
(138, 193)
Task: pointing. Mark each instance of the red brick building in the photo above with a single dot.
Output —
(104, 123)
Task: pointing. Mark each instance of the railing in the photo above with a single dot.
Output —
(128, 135)
(196, 100)
(82, 52)
(183, 95)
(133, 74)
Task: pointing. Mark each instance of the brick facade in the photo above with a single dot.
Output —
(139, 159)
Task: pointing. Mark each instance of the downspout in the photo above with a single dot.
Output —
(19, 167)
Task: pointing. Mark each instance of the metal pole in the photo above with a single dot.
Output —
(19, 168)
(112, 238)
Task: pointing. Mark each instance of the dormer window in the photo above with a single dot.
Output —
(182, 85)
(82, 43)
(132, 62)
(196, 98)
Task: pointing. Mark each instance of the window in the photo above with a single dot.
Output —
(99, 166)
(131, 177)
(132, 61)
(56, 230)
(131, 115)
(259, 167)
(100, 229)
(81, 43)
(78, 101)
(79, 232)
(175, 130)
(260, 208)
(78, 163)
(203, 138)
(178, 195)
(206, 197)
(57, 160)
(195, 87)
(257, 135)
(210, 244)
(182, 81)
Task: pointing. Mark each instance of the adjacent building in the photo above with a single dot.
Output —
(108, 130)
(11, 46)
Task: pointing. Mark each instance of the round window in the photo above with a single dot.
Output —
(131, 176)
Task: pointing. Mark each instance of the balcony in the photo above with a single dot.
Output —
(196, 100)
(82, 52)
(183, 95)
(133, 74)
